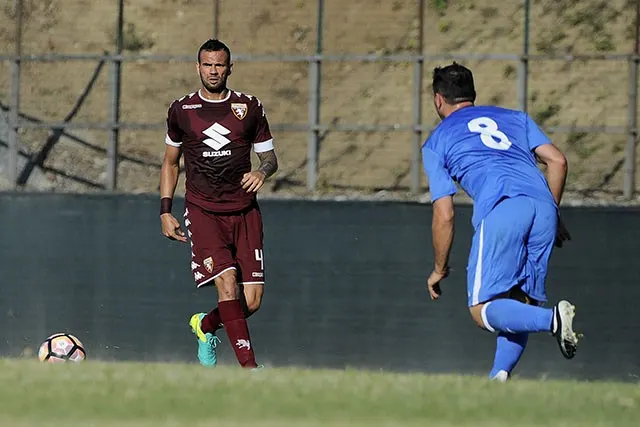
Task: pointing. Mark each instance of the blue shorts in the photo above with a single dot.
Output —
(512, 247)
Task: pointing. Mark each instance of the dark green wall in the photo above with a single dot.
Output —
(345, 287)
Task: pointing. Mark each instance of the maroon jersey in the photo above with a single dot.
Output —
(216, 138)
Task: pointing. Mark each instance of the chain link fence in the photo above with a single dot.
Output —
(84, 86)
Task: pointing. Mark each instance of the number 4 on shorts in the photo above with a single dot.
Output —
(258, 253)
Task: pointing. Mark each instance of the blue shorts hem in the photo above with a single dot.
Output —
(542, 299)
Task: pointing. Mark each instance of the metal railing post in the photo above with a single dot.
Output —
(216, 18)
(315, 80)
(523, 64)
(418, 72)
(14, 114)
(629, 184)
(114, 100)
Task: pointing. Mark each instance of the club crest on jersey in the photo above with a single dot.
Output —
(239, 110)
(208, 264)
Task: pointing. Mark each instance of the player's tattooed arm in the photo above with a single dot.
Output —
(254, 180)
(268, 163)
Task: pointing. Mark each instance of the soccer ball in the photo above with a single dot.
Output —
(61, 348)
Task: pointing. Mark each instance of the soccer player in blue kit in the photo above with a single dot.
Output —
(491, 152)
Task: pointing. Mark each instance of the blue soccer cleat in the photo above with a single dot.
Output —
(207, 342)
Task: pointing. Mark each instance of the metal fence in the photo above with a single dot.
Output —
(315, 60)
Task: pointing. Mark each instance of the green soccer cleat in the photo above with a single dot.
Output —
(207, 342)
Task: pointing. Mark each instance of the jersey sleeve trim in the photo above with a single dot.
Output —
(261, 147)
(172, 143)
(449, 193)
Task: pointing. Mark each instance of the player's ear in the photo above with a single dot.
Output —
(437, 101)
(230, 68)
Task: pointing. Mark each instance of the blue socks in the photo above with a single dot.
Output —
(514, 317)
(509, 348)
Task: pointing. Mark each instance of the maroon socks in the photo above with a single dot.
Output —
(232, 316)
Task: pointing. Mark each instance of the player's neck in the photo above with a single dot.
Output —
(456, 107)
(214, 96)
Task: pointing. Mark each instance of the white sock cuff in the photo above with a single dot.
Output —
(483, 313)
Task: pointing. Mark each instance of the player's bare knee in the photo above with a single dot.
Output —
(227, 286)
(227, 292)
(476, 315)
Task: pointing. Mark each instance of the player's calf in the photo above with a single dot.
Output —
(509, 349)
(234, 319)
(235, 324)
(514, 317)
(510, 316)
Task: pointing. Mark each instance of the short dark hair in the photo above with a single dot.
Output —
(214, 45)
(455, 83)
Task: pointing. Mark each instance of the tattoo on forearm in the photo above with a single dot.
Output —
(268, 163)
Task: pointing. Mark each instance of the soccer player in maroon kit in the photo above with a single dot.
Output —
(216, 128)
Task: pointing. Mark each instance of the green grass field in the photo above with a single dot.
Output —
(137, 394)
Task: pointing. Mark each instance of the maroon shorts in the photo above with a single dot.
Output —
(222, 242)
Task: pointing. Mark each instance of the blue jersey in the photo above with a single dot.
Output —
(489, 151)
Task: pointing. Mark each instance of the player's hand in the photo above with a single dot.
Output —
(433, 283)
(171, 228)
(253, 181)
(562, 234)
